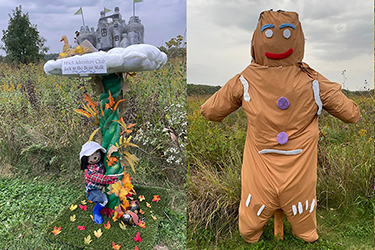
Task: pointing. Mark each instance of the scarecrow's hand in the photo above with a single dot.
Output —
(112, 149)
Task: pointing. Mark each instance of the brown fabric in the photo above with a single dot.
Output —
(276, 180)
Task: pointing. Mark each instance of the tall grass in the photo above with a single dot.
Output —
(39, 130)
(345, 167)
(157, 105)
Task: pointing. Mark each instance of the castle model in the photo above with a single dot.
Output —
(112, 31)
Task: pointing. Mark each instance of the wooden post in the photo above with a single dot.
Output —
(278, 224)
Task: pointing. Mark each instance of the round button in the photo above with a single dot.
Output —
(283, 103)
(282, 138)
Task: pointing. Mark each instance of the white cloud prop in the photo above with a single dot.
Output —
(138, 57)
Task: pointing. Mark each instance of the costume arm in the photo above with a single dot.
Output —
(224, 101)
(98, 178)
(336, 103)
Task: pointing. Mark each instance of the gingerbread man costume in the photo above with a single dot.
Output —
(282, 98)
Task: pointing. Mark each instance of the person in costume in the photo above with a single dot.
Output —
(282, 98)
(92, 156)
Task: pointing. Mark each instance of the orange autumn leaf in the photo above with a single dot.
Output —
(115, 188)
(82, 112)
(111, 101)
(116, 216)
(115, 247)
(156, 198)
(118, 103)
(141, 211)
(124, 192)
(111, 160)
(126, 180)
(125, 203)
(91, 103)
(142, 224)
(56, 231)
(107, 106)
(101, 108)
(107, 226)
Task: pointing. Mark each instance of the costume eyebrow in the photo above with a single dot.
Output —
(266, 26)
(284, 25)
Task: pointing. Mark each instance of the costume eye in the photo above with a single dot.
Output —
(268, 33)
(286, 33)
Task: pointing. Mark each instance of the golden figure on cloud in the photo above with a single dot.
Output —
(282, 98)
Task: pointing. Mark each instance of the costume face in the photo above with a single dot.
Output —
(278, 39)
(94, 158)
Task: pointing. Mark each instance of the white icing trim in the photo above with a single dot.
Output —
(312, 205)
(245, 84)
(315, 87)
(307, 204)
(300, 208)
(282, 152)
(261, 210)
(248, 200)
(294, 210)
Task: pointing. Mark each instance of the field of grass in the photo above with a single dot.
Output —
(41, 137)
(345, 187)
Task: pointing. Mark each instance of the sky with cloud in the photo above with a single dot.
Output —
(339, 36)
(162, 19)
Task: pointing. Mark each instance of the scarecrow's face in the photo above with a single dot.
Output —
(95, 157)
(278, 39)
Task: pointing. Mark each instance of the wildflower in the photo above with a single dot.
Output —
(362, 132)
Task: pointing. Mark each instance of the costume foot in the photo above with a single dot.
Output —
(96, 213)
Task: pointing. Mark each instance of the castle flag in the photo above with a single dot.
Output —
(106, 10)
(138, 1)
(78, 11)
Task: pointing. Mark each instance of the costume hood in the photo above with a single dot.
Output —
(278, 39)
(89, 148)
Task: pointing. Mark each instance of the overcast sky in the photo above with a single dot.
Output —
(339, 36)
(162, 19)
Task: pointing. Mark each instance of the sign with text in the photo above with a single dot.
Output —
(74, 66)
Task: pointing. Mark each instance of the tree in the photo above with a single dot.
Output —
(22, 42)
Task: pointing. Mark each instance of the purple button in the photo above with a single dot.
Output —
(282, 103)
(282, 138)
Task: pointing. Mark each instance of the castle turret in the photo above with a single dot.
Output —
(117, 28)
(103, 34)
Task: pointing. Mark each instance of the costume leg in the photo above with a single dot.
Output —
(301, 213)
(254, 214)
(101, 200)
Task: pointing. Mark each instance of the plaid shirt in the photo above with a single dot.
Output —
(95, 178)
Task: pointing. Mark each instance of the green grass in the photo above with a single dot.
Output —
(336, 231)
(27, 206)
(71, 235)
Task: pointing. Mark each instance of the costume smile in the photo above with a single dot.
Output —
(279, 56)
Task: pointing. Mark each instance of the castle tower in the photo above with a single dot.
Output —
(103, 34)
(117, 28)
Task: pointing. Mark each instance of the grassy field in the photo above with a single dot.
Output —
(41, 137)
(345, 187)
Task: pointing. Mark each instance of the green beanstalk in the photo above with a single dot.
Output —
(111, 130)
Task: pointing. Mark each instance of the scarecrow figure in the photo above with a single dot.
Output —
(282, 98)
